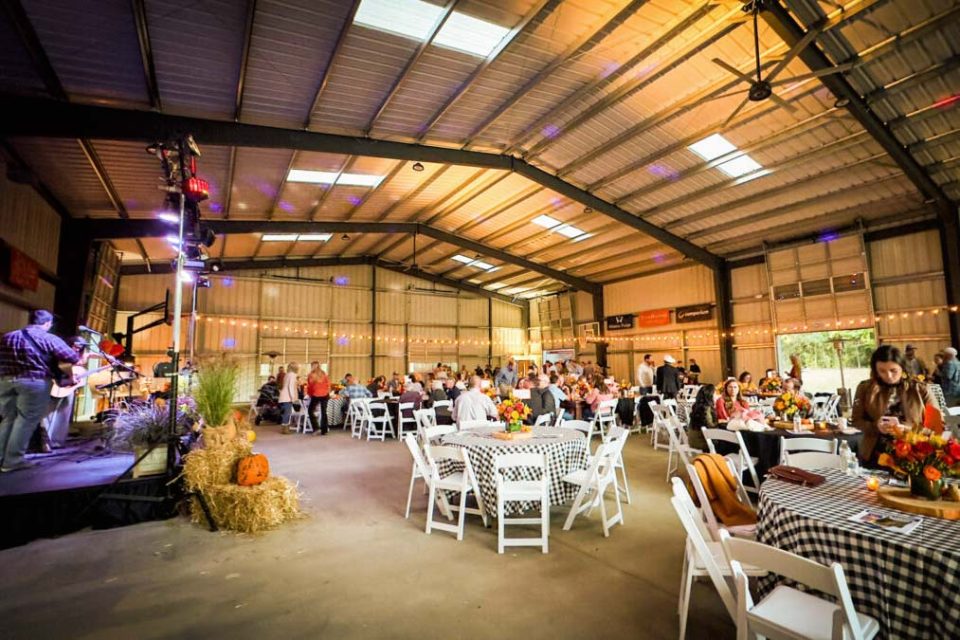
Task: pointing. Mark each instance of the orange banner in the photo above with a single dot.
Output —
(653, 318)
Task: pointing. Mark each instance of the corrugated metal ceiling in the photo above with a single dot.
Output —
(612, 113)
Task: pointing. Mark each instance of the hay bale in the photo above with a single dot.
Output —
(249, 509)
(212, 466)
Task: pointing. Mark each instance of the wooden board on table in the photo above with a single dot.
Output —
(515, 435)
(900, 498)
(788, 426)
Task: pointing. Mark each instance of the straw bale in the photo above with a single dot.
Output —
(211, 466)
(250, 509)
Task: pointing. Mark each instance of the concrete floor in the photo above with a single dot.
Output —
(355, 568)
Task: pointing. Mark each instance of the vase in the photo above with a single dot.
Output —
(921, 487)
(514, 427)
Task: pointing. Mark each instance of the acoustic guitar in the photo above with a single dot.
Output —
(78, 374)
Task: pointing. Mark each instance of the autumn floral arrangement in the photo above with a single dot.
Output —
(771, 385)
(925, 456)
(789, 405)
(513, 412)
(491, 392)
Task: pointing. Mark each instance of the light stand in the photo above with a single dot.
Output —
(844, 394)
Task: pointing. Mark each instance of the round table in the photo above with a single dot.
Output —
(765, 445)
(565, 450)
(908, 582)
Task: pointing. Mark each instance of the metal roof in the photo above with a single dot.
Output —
(605, 94)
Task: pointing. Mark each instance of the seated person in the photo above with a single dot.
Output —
(747, 385)
(541, 402)
(437, 391)
(452, 389)
(269, 392)
(703, 415)
(731, 404)
(473, 404)
(559, 395)
(887, 403)
(376, 385)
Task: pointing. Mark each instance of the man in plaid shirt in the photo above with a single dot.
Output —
(26, 357)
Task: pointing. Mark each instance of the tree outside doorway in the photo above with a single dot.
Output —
(818, 356)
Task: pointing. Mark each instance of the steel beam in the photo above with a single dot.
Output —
(244, 58)
(20, 172)
(723, 297)
(781, 21)
(328, 70)
(249, 264)
(448, 282)
(146, 53)
(47, 118)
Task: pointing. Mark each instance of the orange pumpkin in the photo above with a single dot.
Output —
(252, 470)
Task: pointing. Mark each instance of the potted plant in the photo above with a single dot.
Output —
(145, 430)
(213, 394)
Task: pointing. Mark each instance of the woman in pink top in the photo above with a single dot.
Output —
(731, 404)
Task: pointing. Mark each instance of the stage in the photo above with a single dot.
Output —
(59, 494)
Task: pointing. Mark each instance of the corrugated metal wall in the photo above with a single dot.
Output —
(904, 277)
(30, 225)
(301, 315)
(668, 290)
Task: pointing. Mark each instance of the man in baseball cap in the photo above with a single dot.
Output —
(915, 366)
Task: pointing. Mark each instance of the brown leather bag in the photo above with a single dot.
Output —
(796, 475)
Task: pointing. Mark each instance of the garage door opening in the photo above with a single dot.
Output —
(830, 359)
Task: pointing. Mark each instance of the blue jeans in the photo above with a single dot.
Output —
(286, 410)
(23, 403)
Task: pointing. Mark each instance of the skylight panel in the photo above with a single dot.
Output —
(569, 231)
(463, 259)
(410, 18)
(739, 166)
(314, 237)
(479, 264)
(493, 286)
(515, 290)
(330, 177)
(546, 221)
(469, 34)
(415, 19)
(583, 237)
(712, 147)
(279, 237)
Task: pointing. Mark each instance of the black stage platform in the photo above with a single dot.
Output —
(59, 494)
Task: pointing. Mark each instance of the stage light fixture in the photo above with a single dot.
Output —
(417, 166)
(841, 103)
(203, 282)
(168, 216)
(345, 237)
(215, 266)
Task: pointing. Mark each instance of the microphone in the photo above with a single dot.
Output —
(84, 329)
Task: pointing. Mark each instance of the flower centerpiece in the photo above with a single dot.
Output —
(789, 405)
(491, 392)
(771, 385)
(513, 412)
(924, 456)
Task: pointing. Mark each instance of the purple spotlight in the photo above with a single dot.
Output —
(341, 281)
(659, 258)
(216, 207)
(229, 343)
(286, 206)
(828, 236)
(662, 171)
(609, 68)
(550, 131)
(188, 277)
(227, 282)
(355, 200)
(342, 341)
(174, 240)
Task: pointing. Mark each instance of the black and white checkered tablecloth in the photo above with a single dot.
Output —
(909, 583)
(565, 450)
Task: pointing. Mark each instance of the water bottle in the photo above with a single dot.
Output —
(796, 423)
(849, 460)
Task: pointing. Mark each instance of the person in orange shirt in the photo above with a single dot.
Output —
(318, 388)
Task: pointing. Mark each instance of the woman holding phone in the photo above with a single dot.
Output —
(887, 403)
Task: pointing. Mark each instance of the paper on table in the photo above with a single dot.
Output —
(888, 523)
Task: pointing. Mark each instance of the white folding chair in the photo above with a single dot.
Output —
(522, 491)
(425, 418)
(766, 406)
(594, 482)
(741, 531)
(619, 433)
(661, 414)
(543, 420)
(680, 452)
(606, 416)
(815, 460)
(382, 394)
(299, 421)
(429, 434)
(467, 425)
(378, 421)
(422, 470)
(795, 445)
(703, 557)
(462, 482)
(439, 404)
(580, 425)
(357, 416)
(409, 421)
(559, 421)
(787, 612)
(742, 461)
(252, 411)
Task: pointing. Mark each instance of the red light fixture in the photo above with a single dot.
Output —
(197, 189)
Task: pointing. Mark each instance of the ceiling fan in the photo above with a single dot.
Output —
(761, 88)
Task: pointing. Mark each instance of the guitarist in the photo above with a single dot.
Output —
(57, 422)
(29, 360)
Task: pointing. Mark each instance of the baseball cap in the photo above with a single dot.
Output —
(669, 358)
(909, 347)
(951, 351)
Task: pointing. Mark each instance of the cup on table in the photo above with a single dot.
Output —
(873, 483)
